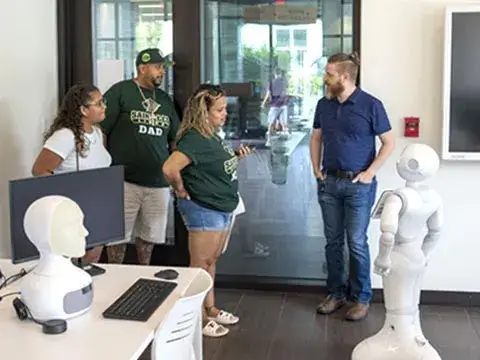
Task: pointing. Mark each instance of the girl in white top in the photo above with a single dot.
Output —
(74, 141)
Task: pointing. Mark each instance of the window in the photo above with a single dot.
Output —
(106, 50)
(300, 38)
(348, 19)
(283, 38)
(105, 24)
(122, 29)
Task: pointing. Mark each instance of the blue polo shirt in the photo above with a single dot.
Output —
(349, 130)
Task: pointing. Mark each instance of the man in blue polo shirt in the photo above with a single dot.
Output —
(347, 121)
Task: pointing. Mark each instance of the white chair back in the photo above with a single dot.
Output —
(180, 335)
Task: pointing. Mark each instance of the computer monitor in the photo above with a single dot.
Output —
(98, 192)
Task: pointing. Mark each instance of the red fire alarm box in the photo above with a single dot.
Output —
(412, 126)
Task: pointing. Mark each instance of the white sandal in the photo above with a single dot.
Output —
(214, 330)
(225, 318)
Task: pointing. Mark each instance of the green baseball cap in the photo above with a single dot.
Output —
(153, 56)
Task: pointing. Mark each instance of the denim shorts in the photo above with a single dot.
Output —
(199, 218)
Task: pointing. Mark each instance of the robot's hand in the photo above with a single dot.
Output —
(382, 266)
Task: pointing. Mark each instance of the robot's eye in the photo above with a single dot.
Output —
(413, 164)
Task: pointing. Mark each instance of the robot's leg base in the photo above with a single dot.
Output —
(387, 347)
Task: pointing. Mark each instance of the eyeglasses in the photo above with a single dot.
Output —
(99, 103)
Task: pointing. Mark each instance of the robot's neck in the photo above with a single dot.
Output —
(51, 264)
(416, 184)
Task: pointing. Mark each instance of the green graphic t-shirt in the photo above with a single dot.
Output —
(139, 132)
(211, 178)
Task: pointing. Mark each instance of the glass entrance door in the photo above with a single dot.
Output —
(252, 56)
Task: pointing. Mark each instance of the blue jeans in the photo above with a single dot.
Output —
(199, 218)
(346, 208)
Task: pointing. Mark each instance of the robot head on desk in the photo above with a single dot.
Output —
(417, 163)
(54, 224)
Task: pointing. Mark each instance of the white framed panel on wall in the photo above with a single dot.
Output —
(461, 84)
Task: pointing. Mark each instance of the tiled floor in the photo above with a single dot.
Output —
(278, 326)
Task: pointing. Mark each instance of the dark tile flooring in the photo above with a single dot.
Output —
(278, 326)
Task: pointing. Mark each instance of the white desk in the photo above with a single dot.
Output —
(89, 336)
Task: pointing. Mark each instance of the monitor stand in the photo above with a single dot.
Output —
(91, 269)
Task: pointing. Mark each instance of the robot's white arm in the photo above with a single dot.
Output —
(434, 226)
(389, 226)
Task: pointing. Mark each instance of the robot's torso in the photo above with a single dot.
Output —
(418, 204)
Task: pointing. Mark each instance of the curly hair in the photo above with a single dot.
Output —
(196, 112)
(70, 117)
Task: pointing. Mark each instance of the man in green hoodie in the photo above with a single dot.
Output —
(140, 125)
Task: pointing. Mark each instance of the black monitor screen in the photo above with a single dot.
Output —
(98, 192)
(465, 83)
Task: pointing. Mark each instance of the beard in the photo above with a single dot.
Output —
(334, 90)
(157, 81)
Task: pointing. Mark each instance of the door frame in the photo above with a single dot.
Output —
(75, 64)
(194, 15)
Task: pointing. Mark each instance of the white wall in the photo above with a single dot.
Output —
(28, 91)
(402, 62)
(402, 59)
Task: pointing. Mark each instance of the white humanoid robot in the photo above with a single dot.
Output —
(55, 288)
(411, 220)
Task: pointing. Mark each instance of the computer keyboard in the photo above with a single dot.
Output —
(140, 300)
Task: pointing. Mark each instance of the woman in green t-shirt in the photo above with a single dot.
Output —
(203, 173)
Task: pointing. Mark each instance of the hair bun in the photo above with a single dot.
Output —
(355, 58)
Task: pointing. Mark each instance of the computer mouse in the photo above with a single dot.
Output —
(167, 274)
